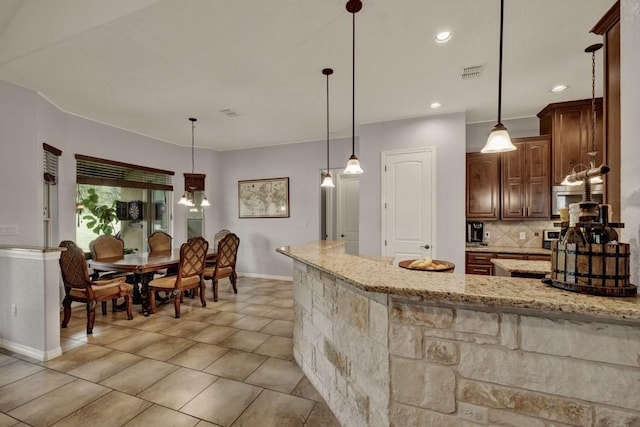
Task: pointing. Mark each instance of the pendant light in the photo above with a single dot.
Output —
(353, 165)
(499, 140)
(592, 154)
(327, 181)
(572, 178)
(188, 197)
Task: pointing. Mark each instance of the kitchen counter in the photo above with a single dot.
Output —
(508, 250)
(373, 276)
(521, 268)
(389, 346)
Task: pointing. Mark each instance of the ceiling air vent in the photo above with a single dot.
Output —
(229, 113)
(472, 72)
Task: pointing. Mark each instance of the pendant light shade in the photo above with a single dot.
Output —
(327, 181)
(353, 165)
(499, 140)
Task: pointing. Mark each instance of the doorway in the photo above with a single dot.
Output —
(409, 206)
(341, 211)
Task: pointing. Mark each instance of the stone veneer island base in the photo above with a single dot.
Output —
(385, 346)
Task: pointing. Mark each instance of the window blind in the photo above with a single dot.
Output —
(50, 156)
(96, 171)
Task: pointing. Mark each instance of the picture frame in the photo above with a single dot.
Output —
(263, 198)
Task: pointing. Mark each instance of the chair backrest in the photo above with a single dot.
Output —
(106, 246)
(228, 251)
(159, 241)
(73, 266)
(192, 257)
(218, 236)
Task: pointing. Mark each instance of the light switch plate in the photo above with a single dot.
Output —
(523, 235)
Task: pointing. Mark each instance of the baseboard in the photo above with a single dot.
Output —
(33, 353)
(266, 276)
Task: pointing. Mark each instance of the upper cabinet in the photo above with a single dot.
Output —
(526, 189)
(569, 124)
(609, 28)
(512, 185)
(483, 186)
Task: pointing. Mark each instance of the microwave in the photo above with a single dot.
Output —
(563, 195)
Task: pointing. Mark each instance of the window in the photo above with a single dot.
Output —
(126, 200)
(194, 184)
(50, 194)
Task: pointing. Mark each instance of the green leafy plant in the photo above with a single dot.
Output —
(101, 218)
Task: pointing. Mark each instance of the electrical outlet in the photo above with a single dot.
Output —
(8, 230)
(487, 235)
(14, 310)
(523, 235)
(477, 414)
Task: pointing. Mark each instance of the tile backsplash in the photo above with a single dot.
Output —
(507, 233)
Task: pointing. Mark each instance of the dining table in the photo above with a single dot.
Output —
(142, 266)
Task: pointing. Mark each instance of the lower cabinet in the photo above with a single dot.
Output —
(480, 262)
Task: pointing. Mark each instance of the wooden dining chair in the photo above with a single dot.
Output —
(159, 241)
(189, 275)
(80, 288)
(225, 265)
(106, 246)
(218, 236)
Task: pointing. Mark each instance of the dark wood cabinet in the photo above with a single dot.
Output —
(483, 186)
(569, 124)
(480, 262)
(526, 189)
(609, 28)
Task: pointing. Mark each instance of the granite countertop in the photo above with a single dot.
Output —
(522, 266)
(31, 248)
(507, 292)
(508, 250)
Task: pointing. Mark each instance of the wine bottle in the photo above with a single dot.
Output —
(574, 233)
(601, 232)
(564, 222)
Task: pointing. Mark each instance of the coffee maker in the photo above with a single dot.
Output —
(475, 232)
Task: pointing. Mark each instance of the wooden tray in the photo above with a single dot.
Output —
(449, 266)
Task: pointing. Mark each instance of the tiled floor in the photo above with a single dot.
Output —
(229, 364)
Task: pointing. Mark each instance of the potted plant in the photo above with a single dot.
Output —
(101, 218)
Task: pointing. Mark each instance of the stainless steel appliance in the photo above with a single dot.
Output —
(548, 236)
(475, 232)
(563, 195)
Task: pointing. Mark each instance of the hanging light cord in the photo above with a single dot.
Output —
(327, 123)
(193, 126)
(353, 89)
(593, 103)
(500, 63)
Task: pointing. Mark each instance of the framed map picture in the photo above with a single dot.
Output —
(263, 198)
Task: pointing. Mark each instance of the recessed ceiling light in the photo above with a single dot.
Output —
(559, 88)
(435, 105)
(443, 36)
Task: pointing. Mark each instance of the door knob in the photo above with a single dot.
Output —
(426, 246)
(342, 235)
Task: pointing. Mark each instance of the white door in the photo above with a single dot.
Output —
(348, 211)
(408, 211)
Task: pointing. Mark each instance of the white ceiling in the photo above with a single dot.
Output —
(148, 65)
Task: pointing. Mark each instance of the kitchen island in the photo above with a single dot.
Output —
(522, 268)
(390, 346)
